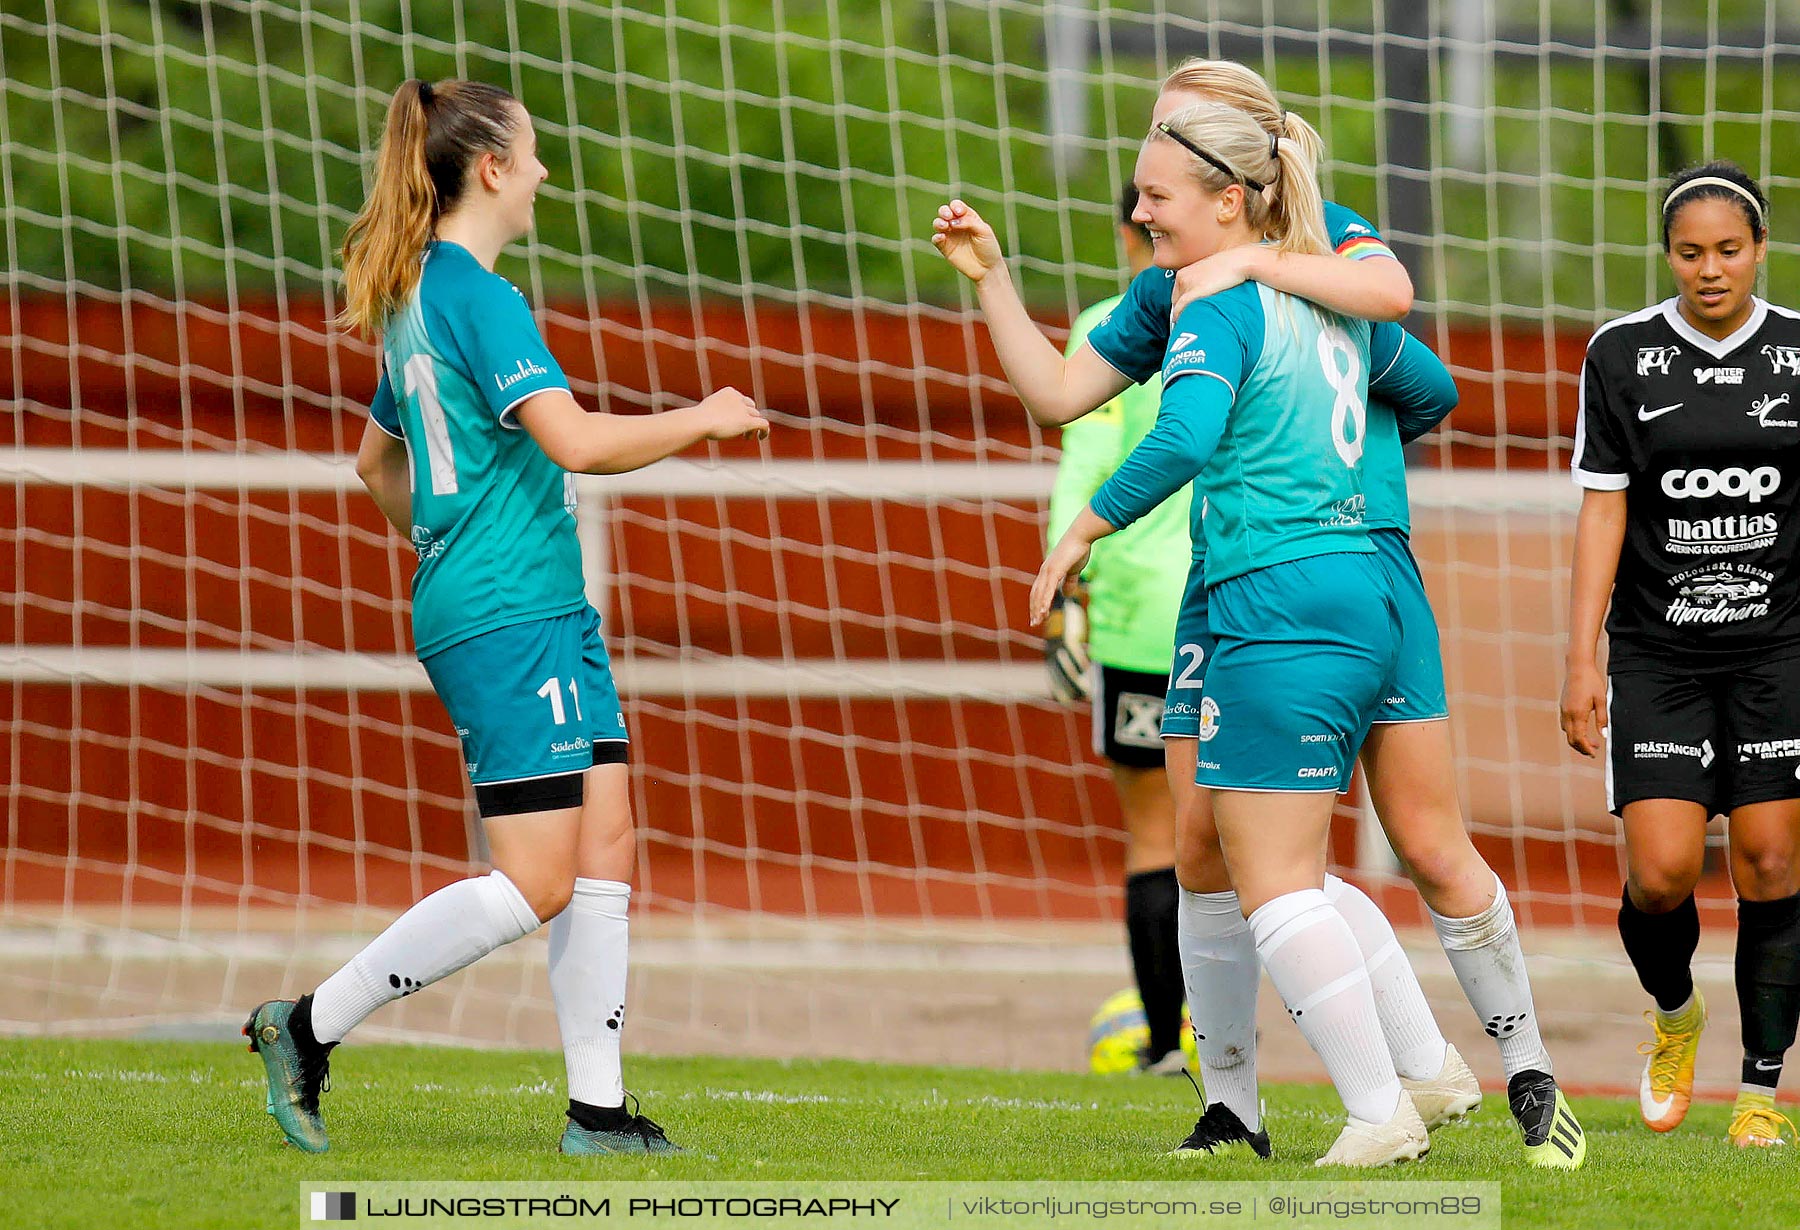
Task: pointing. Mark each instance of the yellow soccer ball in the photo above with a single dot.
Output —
(1118, 1031)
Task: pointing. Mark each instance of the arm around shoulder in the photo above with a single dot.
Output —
(1378, 288)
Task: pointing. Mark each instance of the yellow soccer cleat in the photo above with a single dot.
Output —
(1667, 1087)
(1756, 1124)
(1553, 1136)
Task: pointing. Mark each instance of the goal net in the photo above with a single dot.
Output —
(224, 765)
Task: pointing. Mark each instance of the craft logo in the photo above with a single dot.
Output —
(1781, 359)
(1656, 359)
(334, 1206)
(1763, 407)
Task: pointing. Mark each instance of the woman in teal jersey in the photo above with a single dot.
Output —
(471, 439)
(1263, 404)
(1407, 755)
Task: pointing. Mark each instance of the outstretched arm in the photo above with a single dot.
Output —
(1055, 390)
(587, 443)
(1187, 431)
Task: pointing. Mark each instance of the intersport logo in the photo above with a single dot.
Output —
(1720, 375)
(1735, 482)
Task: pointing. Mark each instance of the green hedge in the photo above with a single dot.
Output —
(695, 156)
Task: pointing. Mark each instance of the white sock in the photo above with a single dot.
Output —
(1221, 973)
(589, 945)
(1314, 963)
(1413, 1038)
(1484, 951)
(453, 927)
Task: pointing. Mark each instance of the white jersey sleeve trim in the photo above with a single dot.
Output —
(1398, 350)
(392, 434)
(1089, 343)
(1200, 371)
(1601, 482)
(506, 415)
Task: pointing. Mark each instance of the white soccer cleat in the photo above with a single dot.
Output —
(1400, 1139)
(1450, 1095)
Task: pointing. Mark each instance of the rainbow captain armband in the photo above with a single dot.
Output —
(1361, 247)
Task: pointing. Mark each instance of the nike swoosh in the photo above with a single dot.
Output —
(1763, 1065)
(1645, 415)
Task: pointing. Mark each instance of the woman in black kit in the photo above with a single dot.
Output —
(1688, 450)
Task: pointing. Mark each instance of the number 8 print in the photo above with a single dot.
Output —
(1349, 416)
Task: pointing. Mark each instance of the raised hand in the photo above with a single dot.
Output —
(966, 241)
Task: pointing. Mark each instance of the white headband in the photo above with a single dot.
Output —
(1713, 181)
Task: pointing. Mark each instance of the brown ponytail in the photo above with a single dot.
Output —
(432, 134)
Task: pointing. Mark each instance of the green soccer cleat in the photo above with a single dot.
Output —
(1553, 1136)
(296, 1077)
(636, 1134)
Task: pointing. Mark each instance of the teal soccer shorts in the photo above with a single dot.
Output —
(1417, 693)
(535, 707)
(1306, 653)
(1184, 703)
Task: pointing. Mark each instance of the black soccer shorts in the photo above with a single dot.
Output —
(1721, 738)
(1128, 713)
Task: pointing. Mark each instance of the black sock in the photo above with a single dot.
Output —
(599, 1118)
(1661, 948)
(1768, 984)
(1151, 901)
(300, 1027)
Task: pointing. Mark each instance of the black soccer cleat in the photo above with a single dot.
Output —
(610, 1131)
(1220, 1130)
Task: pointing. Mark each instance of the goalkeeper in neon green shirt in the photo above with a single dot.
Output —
(1134, 587)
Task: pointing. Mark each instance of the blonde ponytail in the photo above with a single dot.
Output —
(1296, 206)
(1236, 85)
(432, 134)
(1281, 186)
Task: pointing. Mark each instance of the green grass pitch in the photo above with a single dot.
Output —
(122, 1134)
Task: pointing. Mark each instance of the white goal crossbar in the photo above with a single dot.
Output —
(696, 675)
